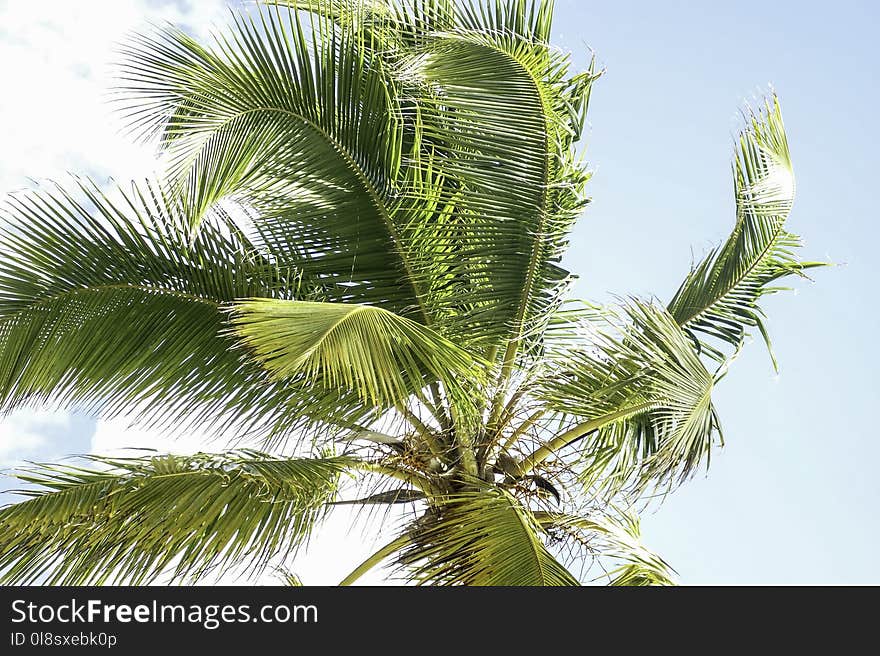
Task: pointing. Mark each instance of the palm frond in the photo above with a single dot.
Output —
(299, 122)
(290, 579)
(719, 298)
(614, 538)
(385, 358)
(108, 305)
(132, 520)
(454, 151)
(386, 23)
(645, 396)
(481, 538)
(390, 497)
(499, 112)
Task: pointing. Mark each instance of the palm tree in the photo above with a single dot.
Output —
(351, 263)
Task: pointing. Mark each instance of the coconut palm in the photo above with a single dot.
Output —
(350, 271)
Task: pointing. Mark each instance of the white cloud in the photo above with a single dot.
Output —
(115, 436)
(23, 434)
(56, 63)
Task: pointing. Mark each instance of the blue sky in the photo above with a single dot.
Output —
(792, 496)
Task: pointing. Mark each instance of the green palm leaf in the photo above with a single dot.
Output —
(496, 115)
(385, 358)
(132, 520)
(645, 396)
(499, 115)
(481, 538)
(617, 539)
(719, 298)
(299, 124)
(107, 305)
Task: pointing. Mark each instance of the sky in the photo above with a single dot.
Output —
(792, 496)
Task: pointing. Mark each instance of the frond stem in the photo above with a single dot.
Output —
(371, 190)
(423, 431)
(410, 478)
(579, 431)
(522, 428)
(375, 559)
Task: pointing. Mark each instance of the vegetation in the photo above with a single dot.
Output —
(351, 263)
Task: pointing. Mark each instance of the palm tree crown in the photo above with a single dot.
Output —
(352, 262)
